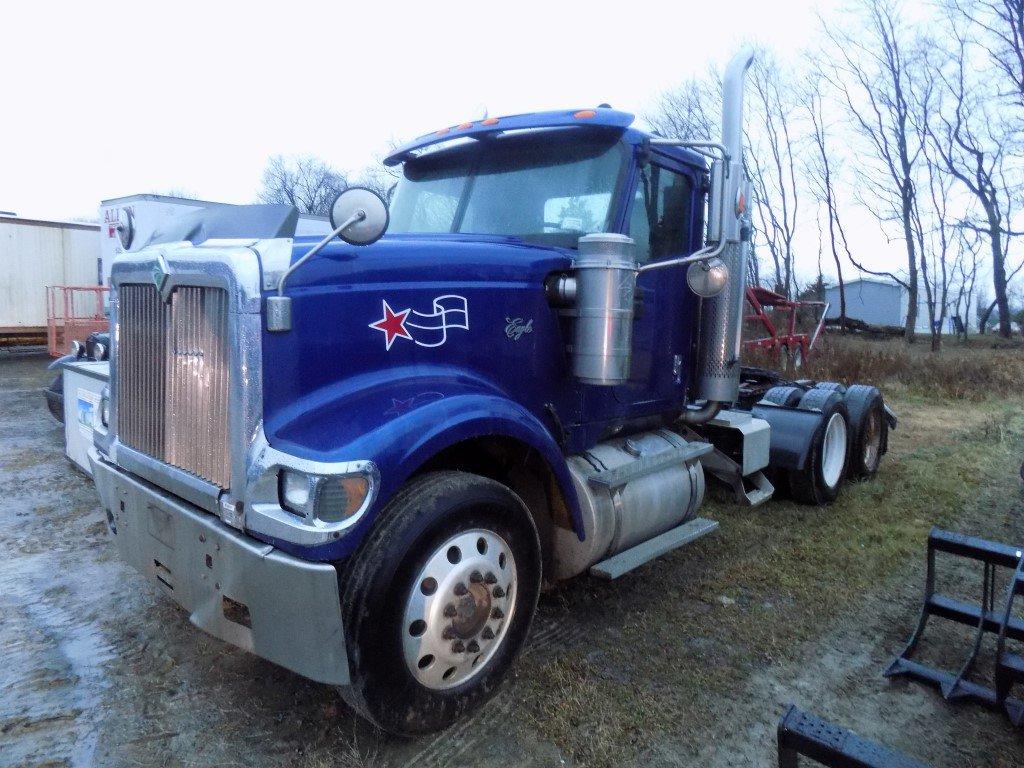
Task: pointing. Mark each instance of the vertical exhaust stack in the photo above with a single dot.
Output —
(728, 226)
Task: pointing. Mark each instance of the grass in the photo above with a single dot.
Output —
(974, 371)
(686, 632)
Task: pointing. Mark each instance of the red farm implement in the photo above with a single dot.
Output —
(72, 313)
(777, 316)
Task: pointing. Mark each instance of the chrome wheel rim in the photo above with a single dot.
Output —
(872, 440)
(833, 451)
(459, 609)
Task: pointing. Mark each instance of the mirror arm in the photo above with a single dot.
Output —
(355, 218)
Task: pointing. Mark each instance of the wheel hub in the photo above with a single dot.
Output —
(472, 611)
(459, 608)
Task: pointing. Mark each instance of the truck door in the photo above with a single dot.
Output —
(664, 219)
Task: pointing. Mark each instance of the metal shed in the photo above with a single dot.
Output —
(877, 302)
(34, 254)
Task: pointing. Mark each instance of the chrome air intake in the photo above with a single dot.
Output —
(605, 283)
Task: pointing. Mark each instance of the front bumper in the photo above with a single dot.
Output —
(243, 591)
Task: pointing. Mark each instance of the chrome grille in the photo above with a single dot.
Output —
(173, 374)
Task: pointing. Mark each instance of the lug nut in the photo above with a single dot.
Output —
(460, 589)
(498, 592)
(497, 613)
(491, 578)
(459, 647)
(449, 633)
(476, 577)
(488, 634)
(450, 611)
(473, 647)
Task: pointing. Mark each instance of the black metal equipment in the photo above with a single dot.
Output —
(804, 734)
(1009, 667)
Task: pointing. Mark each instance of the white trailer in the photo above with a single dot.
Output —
(35, 253)
(147, 211)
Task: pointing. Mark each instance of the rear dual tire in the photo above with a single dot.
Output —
(821, 479)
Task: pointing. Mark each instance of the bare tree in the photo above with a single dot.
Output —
(689, 111)
(1001, 27)
(973, 143)
(876, 74)
(772, 135)
(820, 172)
(306, 182)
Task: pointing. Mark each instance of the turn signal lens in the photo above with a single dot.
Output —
(584, 114)
(340, 497)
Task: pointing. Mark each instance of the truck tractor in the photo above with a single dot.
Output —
(363, 458)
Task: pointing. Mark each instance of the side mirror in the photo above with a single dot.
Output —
(367, 212)
(359, 217)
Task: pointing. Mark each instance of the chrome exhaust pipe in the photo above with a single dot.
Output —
(729, 227)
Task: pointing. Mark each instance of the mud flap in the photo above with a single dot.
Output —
(988, 617)
(800, 733)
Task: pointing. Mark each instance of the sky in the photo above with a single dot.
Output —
(109, 99)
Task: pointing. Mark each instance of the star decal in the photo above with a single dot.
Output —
(392, 325)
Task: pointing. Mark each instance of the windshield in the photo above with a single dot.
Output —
(551, 189)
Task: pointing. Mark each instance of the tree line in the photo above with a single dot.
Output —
(912, 113)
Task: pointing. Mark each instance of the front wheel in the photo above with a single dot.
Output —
(438, 601)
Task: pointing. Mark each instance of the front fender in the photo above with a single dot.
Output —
(399, 419)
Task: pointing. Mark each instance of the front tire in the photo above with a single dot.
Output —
(438, 601)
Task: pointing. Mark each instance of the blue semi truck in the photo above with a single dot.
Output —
(362, 458)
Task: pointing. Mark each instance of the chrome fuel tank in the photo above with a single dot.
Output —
(630, 490)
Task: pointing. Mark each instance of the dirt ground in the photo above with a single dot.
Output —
(690, 661)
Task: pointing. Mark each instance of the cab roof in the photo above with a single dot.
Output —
(599, 117)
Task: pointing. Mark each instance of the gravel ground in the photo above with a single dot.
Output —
(101, 670)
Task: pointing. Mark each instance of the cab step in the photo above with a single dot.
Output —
(626, 561)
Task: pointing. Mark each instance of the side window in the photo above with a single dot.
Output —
(662, 209)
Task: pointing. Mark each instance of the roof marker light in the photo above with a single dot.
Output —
(463, 126)
(442, 132)
(584, 114)
(490, 121)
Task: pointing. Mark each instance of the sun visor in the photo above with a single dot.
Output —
(259, 222)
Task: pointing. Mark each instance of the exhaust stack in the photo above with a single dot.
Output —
(729, 228)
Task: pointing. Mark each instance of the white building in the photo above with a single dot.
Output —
(881, 302)
(35, 253)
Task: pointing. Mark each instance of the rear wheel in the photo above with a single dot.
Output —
(820, 481)
(438, 601)
(870, 430)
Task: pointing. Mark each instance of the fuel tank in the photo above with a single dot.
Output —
(630, 489)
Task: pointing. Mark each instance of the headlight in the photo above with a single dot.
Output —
(105, 407)
(294, 491)
(329, 499)
(77, 348)
(98, 351)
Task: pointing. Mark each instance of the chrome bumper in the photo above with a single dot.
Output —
(240, 590)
